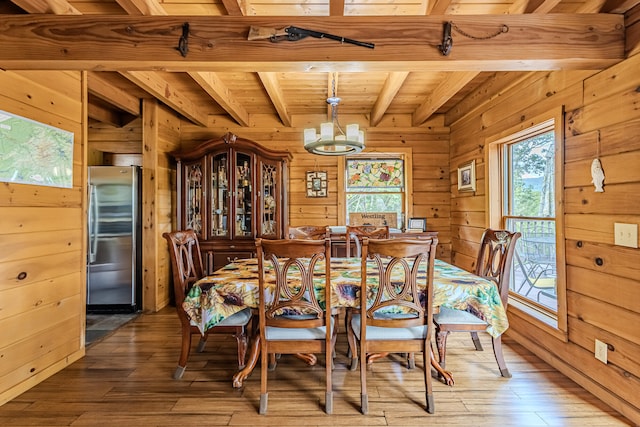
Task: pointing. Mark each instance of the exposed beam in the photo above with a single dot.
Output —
(588, 41)
(591, 6)
(546, 6)
(58, 7)
(212, 84)
(235, 7)
(619, 6)
(438, 7)
(391, 87)
(101, 88)
(142, 7)
(336, 7)
(104, 115)
(518, 7)
(161, 89)
(271, 85)
(441, 94)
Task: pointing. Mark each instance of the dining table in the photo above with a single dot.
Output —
(235, 287)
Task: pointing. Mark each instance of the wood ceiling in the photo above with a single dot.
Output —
(248, 94)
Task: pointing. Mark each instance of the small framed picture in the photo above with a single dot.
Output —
(417, 224)
(467, 176)
(317, 184)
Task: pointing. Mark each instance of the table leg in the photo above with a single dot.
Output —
(446, 375)
(254, 353)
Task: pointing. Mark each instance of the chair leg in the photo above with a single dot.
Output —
(364, 398)
(497, 351)
(202, 343)
(431, 408)
(264, 400)
(243, 342)
(411, 361)
(184, 353)
(441, 343)
(476, 341)
(264, 396)
(272, 361)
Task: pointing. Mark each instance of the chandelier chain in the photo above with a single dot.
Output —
(503, 29)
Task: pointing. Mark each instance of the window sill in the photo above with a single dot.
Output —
(537, 318)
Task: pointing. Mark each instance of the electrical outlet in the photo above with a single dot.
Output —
(601, 351)
(626, 234)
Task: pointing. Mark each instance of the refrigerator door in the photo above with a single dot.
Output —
(113, 231)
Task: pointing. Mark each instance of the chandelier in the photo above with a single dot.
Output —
(332, 139)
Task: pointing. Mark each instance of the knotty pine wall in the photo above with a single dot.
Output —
(602, 300)
(42, 316)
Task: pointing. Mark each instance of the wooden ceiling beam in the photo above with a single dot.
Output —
(236, 7)
(104, 115)
(58, 7)
(142, 7)
(588, 41)
(392, 85)
(441, 94)
(438, 7)
(213, 85)
(591, 6)
(101, 88)
(271, 85)
(546, 6)
(164, 92)
(336, 7)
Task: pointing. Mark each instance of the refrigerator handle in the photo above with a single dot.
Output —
(93, 223)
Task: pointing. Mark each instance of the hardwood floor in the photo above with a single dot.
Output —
(126, 380)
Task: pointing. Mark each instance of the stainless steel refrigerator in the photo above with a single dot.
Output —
(114, 251)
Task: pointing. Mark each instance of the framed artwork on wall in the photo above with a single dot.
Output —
(467, 176)
(317, 184)
(417, 225)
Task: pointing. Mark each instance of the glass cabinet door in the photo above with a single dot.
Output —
(220, 195)
(269, 198)
(244, 197)
(193, 198)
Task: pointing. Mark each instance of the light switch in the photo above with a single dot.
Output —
(626, 234)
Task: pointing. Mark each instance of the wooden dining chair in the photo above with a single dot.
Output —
(399, 320)
(355, 234)
(187, 268)
(312, 232)
(493, 262)
(293, 320)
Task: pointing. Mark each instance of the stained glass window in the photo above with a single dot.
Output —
(373, 175)
(376, 185)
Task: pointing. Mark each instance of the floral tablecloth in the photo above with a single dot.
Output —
(235, 286)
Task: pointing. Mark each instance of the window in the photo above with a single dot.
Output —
(526, 175)
(376, 183)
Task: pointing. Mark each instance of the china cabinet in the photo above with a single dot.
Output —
(230, 191)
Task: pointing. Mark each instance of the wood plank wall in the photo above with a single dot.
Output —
(602, 297)
(431, 184)
(42, 235)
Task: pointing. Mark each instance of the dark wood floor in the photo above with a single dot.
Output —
(125, 380)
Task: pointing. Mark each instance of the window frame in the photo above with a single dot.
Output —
(379, 153)
(554, 120)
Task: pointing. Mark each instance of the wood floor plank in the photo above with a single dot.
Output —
(126, 379)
